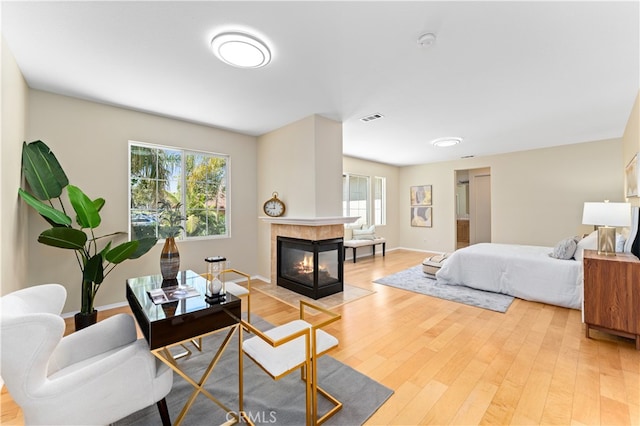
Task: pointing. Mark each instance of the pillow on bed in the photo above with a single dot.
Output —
(590, 242)
(565, 249)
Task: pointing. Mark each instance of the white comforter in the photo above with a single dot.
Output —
(526, 272)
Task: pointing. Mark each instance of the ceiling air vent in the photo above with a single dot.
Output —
(372, 117)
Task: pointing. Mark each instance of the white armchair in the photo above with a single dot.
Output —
(97, 375)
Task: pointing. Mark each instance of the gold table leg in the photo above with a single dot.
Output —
(164, 355)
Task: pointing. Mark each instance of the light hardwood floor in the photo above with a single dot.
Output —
(454, 364)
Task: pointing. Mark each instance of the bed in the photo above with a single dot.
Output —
(526, 272)
(529, 272)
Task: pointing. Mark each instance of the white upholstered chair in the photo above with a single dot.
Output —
(97, 375)
(295, 345)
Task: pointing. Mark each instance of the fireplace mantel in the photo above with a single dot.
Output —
(309, 221)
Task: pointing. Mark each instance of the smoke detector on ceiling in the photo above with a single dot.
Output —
(426, 39)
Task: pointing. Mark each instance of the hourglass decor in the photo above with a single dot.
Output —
(215, 287)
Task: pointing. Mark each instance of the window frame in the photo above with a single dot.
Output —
(383, 200)
(184, 152)
(346, 202)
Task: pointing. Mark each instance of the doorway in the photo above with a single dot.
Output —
(473, 206)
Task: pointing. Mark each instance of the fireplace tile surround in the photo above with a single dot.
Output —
(315, 229)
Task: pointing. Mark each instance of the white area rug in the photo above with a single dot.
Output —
(414, 279)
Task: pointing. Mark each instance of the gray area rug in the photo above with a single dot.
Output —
(267, 401)
(413, 279)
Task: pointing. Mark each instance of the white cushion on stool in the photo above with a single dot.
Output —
(363, 243)
(235, 289)
(290, 355)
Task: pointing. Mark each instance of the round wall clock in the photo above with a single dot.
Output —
(274, 207)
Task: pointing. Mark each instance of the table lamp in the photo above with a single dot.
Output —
(607, 216)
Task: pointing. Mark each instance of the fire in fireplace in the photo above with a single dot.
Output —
(311, 268)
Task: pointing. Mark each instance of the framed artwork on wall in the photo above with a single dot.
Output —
(632, 177)
(421, 195)
(421, 216)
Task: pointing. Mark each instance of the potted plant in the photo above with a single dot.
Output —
(96, 255)
(170, 226)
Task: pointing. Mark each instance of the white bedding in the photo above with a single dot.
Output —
(526, 272)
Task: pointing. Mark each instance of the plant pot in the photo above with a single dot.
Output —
(83, 320)
(169, 259)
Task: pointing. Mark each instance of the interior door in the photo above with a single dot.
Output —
(481, 212)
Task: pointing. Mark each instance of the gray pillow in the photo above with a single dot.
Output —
(565, 249)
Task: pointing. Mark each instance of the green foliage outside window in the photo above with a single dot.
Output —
(194, 181)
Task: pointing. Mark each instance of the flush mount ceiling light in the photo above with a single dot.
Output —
(446, 142)
(240, 50)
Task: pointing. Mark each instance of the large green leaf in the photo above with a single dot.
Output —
(122, 252)
(86, 211)
(99, 203)
(93, 270)
(106, 248)
(53, 215)
(145, 245)
(42, 170)
(66, 238)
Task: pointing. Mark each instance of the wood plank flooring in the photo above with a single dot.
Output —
(455, 364)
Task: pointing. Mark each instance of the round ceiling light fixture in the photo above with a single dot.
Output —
(446, 142)
(240, 50)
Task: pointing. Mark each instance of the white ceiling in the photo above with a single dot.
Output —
(505, 76)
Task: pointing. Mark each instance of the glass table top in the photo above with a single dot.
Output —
(141, 286)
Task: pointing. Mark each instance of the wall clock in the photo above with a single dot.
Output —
(274, 207)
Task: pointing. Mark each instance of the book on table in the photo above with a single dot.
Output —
(171, 294)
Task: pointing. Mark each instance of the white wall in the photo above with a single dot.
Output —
(13, 223)
(537, 195)
(91, 142)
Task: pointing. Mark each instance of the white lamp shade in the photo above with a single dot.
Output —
(607, 214)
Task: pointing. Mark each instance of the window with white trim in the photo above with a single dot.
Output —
(193, 183)
(379, 200)
(355, 197)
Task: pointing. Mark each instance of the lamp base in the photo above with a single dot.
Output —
(607, 240)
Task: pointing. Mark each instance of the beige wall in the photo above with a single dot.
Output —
(537, 195)
(13, 225)
(328, 167)
(302, 162)
(631, 140)
(394, 197)
(91, 142)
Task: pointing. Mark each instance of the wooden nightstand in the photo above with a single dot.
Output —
(612, 294)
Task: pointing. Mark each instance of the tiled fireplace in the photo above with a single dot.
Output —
(311, 230)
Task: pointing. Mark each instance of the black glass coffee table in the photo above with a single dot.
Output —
(185, 317)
